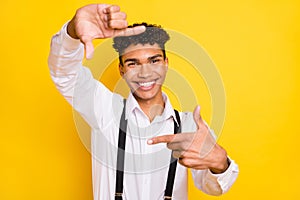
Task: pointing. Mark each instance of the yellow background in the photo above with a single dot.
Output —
(255, 45)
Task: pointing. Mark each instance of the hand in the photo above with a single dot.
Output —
(97, 21)
(197, 150)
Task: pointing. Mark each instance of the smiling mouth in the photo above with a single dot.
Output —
(146, 85)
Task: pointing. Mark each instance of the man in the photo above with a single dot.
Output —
(145, 122)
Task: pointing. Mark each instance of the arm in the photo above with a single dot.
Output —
(213, 172)
(74, 81)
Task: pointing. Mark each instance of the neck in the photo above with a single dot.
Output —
(152, 107)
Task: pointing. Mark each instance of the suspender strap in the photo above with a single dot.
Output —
(121, 159)
(173, 163)
(121, 155)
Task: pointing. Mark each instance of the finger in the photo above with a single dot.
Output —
(197, 116)
(161, 139)
(116, 16)
(111, 9)
(88, 45)
(102, 11)
(117, 24)
(130, 31)
(187, 162)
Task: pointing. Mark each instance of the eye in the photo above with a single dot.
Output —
(131, 64)
(155, 61)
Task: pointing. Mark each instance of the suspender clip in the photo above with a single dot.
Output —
(118, 194)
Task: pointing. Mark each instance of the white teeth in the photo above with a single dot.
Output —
(146, 84)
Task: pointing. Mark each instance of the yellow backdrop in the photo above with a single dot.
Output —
(255, 45)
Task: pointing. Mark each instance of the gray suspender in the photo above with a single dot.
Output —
(121, 158)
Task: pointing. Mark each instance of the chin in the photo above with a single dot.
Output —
(145, 96)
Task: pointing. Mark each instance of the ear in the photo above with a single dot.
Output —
(121, 70)
(167, 62)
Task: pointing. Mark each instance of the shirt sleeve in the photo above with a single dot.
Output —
(215, 184)
(76, 82)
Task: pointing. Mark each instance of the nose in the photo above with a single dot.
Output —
(145, 71)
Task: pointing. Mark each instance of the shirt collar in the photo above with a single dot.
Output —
(132, 106)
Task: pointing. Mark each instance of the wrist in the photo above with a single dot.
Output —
(221, 163)
(222, 167)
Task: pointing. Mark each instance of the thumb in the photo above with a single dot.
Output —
(89, 49)
(197, 116)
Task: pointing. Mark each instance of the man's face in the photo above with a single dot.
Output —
(144, 69)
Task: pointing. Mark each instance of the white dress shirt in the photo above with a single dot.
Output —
(146, 166)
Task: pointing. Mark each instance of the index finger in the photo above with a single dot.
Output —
(130, 31)
(161, 139)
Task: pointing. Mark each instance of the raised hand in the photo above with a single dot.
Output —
(96, 21)
(197, 150)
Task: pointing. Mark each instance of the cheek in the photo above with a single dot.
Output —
(130, 74)
(161, 70)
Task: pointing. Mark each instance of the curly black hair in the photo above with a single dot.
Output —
(153, 34)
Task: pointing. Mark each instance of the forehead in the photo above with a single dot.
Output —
(141, 50)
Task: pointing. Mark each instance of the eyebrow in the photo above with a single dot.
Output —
(155, 56)
(136, 60)
(131, 60)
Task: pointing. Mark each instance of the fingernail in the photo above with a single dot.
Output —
(89, 56)
(150, 141)
(141, 29)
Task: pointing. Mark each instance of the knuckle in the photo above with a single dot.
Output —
(111, 23)
(79, 10)
(169, 146)
(109, 16)
(174, 154)
(187, 163)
